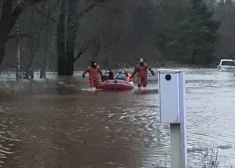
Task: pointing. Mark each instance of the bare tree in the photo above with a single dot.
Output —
(67, 33)
(35, 44)
(66, 44)
(9, 16)
(18, 74)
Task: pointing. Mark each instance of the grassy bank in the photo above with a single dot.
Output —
(9, 85)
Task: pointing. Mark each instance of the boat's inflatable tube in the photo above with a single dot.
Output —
(116, 85)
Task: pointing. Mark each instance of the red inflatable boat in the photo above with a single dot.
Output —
(116, 85)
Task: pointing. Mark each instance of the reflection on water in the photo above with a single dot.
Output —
(59, 124)
(8, 139)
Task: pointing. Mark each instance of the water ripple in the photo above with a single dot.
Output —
(107, 129)
(7, 138)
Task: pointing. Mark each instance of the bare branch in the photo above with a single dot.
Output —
(84, 48)
(6, 7)
(21, 35)
(53, 19)
(23, 5)
(46, 14)
(92, 6)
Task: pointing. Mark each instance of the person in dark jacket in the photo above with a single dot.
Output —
(108, 75)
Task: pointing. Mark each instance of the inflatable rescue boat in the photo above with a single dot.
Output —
(119, 85)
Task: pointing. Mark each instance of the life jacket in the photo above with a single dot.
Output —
(120, 76)
(142, 70)
(94, 73)
(128, 79)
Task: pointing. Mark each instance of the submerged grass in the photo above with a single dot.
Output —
(198, 158)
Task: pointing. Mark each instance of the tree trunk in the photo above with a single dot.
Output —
(29, 67)
(72, 25)
(18, 74)
(31, 73)
(42, 73)
(43, 70)
(8, 19)
(193, 57)
(2, 50)
(5, 30)
(29, 70)
(31, 59)
(61, 60)
(65, 50)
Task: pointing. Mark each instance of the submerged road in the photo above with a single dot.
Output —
(69, 127)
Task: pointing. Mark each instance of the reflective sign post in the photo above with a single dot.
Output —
(171, 85)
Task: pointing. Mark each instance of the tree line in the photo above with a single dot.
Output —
(64, 35)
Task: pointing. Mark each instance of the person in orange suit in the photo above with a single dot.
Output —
(128, 76)
(142, 73)
(94, 72)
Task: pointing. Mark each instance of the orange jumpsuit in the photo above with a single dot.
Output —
(141, 74)
(94, 76)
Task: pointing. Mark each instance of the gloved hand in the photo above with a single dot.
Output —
(152, 73)
(102, 78)
(83, 75)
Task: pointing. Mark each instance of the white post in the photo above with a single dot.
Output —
(172, 111)
(183, 120)
(175, 146)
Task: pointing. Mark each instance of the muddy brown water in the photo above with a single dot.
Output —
(64, 125)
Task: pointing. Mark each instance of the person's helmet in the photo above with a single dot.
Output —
(107, 73)
(141, 60)
(93, 63)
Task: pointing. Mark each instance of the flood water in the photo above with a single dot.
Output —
(66, 126)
